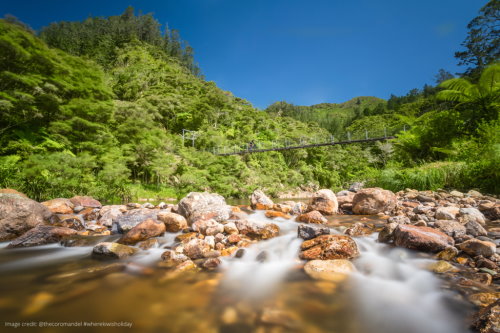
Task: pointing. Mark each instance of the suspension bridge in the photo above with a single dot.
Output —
(300, 142)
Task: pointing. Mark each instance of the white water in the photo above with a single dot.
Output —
(253, 277)
(392, 292)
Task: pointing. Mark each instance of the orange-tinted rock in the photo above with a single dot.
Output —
(421, 238)
(312, 217)
(173, 222)
(67, 220)
(59, 206)
(204, 206)
(257, 231)
(12, 191)
(371, 201)
(85, 201)
(142, 231)
(273, 213)
(325, 202)
(329, 247)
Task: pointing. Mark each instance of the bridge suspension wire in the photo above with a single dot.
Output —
(289, 143)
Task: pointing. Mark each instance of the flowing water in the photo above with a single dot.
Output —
(264, 290)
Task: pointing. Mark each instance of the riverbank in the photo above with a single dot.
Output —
(310, 265)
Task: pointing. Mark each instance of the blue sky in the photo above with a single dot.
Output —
(301, 51)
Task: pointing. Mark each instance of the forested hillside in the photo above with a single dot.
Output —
(98, 107)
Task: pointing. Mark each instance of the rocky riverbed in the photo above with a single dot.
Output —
(355, 261)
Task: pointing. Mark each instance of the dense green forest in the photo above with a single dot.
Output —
(98, 107)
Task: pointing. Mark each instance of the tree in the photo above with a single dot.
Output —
(443, 75)
(477, 102)
(483, 40)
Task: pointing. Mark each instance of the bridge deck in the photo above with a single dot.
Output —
(250, 151)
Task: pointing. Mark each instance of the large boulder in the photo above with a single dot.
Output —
(85, 201)
(204, 206)
(59, 206)
(108, 250)
(142, 231)
(133, 217)
(19, 214)
(259, 200)
(325, 202)
(110, 214)
(173, 222)
(12, 191)
(329, 247)
(421, 238)
(475, 229)
(371, 201)
(256, 230)
(312, 217)
(331, 270)
(42, 234)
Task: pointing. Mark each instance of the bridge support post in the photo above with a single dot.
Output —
(348, 136)
(385, 132)
(366, 134)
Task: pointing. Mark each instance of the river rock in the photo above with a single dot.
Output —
(85, 201)
(487, 320)
(59, 206)
(256, 230)
(399, 219)
(133, 217)
(451, 228)
(421, 238)
(448, 254)
(473, 214)
(272, 214)
(67, 220)
(196, 248)
(386, 235)
(204, 206)
(19, 214)
(484, 299)
(307, 232)
(284, 207)
(108, 250)
(230, 228)
(331, 270)
(312, 217)
(442, 266)
(447, 213)
(475, 229)
(171, 259)
(358, 229)
(476, 247)
(173, 222)
(325, 202)
(12, 191)
(208, 227)
(345, 198)
(371, 201)
(110, 214)
(259, 200)
(40, 235)
(329, 247)
(142, 231)
(299, 208)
